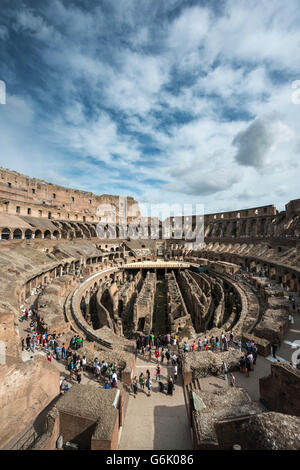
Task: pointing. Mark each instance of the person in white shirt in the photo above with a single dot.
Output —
(175, 372)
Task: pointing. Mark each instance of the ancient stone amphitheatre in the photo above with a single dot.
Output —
(58, 277)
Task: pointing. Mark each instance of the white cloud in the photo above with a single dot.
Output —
(257, 144)
(130, 70)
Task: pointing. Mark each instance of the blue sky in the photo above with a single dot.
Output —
(167, 101)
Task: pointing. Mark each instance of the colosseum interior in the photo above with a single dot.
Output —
(113, 293)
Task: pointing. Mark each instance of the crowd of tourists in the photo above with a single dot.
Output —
(248, 360)
(214, 343)
(142, 381)
(106, 372)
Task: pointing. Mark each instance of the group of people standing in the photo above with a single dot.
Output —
(248, 361)
(108, 372)
(214, 343)
(143, 381)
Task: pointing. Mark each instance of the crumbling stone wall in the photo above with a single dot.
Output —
(280, 391)
(144, 305)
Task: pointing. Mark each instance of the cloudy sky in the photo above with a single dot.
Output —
(167, 101)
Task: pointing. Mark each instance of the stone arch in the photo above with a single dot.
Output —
(38, 234)
(17, 234)
(83, 306)
(47, 234)
(5, 234)
(28, 233)
(107, 301)
(56, 234)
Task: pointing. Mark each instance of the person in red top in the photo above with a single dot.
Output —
(194, 346)
(157, 354)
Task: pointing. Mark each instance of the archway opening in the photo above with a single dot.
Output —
(17, 235)
(5, 234)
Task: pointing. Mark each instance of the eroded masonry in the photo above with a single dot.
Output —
(244, 281)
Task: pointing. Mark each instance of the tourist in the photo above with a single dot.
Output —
(142, 380)
(97, 371)
(135, 386)
(157, 355)
(68, 353)
(158, 370)
(232, 380)
(33, 341)
(194, 346)
(71, 367)
(83, 363)
(64, 385)
(212, 343)
(114, 380)
(73, 341)
(250, 357)
(106, 386)
(242, 363)
(170, 386)
(110, 371)
(217, 342)
(57, 351)
(224, 369)
(185, 347)
(291, 319)
(175, 372)
(78, 376)
(49, 357)
(168, 357)
(104, 367)
(254, 352)
(150, 354)
(149, 386)
(199, 345)
(240, 345)
(247, 366)
(162, 355)
(274, 347)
